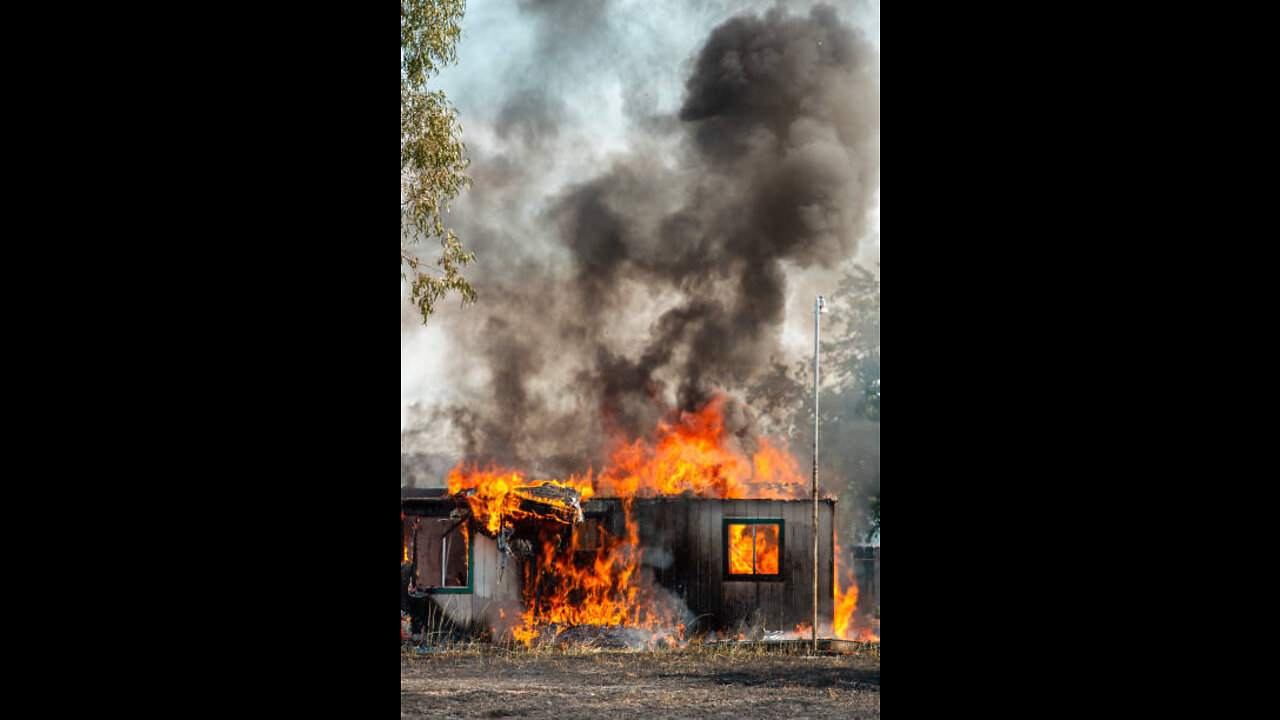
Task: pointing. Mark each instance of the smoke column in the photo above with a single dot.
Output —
(612, 295)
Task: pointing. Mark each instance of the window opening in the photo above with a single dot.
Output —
(753, 548)
(443, 554)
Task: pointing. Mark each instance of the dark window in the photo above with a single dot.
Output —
(440, 548)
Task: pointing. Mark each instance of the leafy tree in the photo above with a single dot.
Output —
(433, 158)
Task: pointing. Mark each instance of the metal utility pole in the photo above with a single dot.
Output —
(819, 306)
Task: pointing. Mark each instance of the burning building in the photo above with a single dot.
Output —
(622, 291)
(708, 564)
(686, 531)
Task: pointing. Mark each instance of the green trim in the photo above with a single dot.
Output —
(471, 575)
(782, 535)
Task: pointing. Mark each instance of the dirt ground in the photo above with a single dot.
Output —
(703, 682)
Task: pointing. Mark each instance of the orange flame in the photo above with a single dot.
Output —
(846, 603)
(692, 453)
(607, 589)
(574, 582)
(740, 550)
(753, 549)
(766, 549)
(499, 494)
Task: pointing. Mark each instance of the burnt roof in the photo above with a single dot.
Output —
(409, 492)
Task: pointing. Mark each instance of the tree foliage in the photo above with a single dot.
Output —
(433, 159)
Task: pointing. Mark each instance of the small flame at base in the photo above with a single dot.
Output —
(846, 602)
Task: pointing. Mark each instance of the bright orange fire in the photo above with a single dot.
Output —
(847, 603)
(741, 552)
(693, 454)
(753, 549)
(499, 495)
(607, 589)
(766, 549)
(575, 582)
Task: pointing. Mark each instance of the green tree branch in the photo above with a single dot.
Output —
(433, 158)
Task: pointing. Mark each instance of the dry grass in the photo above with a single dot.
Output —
(697, 681)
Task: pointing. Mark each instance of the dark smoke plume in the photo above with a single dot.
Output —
(662, 278)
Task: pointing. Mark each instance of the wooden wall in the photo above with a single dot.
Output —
(489, 594)
(684, 546)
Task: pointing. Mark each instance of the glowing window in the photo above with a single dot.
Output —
(753, 549)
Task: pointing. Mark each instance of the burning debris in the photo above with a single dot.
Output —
(501, 500)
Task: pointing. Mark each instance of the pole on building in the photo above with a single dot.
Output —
(819, 306)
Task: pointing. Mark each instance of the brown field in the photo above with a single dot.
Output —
(738, 682)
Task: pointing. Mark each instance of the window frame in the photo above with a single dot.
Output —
(782, 545)
(467, 589)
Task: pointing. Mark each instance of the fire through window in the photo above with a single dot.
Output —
(753, 549)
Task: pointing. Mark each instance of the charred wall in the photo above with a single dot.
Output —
(684, 546)
(491, 599)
